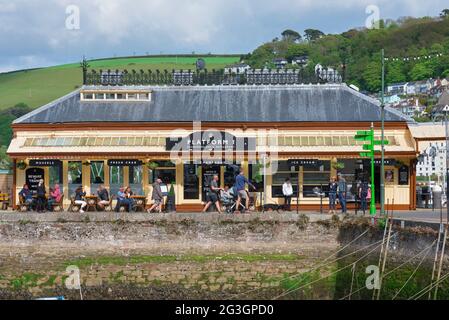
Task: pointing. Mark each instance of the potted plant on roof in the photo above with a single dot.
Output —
(171, 199)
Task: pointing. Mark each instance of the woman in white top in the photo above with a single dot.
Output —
(287, 190)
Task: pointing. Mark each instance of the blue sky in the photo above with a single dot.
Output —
(34, 33)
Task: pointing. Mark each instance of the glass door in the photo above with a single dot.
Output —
(208, 173)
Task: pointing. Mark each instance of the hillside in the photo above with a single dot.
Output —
(359, 50)
(39, 86)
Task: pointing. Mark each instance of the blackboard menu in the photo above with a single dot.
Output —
(403, 175)
(32, 177)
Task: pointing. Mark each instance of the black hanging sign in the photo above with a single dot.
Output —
(32, 177)
(124, 162)
(44, 163)
(304, 162)
(403, 175)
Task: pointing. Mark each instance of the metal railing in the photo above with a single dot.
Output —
(214, 77)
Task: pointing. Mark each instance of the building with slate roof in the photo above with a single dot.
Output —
(128, 135)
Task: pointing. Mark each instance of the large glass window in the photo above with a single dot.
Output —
(256, 176)
(96, 175)
(75, 178)
(316, 179)
(283, 172)
(136, 179)
(116, 180)
(191, 181)
(166, 170)
(55, 173)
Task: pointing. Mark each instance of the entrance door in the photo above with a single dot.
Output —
(208, 172)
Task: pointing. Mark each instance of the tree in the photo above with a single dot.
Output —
(444, 13)
(19, 110)
(394, 73)
(5, 161)
(420, 71)
(290, 35)
(312, 34)
(372, 76)
(297, 49)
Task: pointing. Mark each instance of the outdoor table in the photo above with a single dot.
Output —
(4, 199)
(91, 202)
(139, 202)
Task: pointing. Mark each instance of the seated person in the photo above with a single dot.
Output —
(26, 194)
(122, 200)
(79, 198)
(103, 197)
(55, 197)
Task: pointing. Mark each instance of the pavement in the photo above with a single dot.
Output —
(420, 215)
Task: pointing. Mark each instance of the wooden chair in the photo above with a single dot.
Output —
(23, 205)
(73, 206)
(108, 207)
(59, 205)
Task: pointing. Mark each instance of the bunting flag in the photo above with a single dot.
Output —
(415, 58)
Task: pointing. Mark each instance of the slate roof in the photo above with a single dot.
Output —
(275, 103)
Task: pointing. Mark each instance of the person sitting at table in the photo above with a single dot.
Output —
(79, 198)
(27, 195)
(55, 197)
(122, 200)
(129, 193)
(103, 196)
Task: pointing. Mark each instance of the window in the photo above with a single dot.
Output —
(55, 173)
(316, 178)
(255, 176)
(166, 170)
(116, 180)
(284, 171)
(99, 96)
(135, 179)
(88, 96)
(191, 181)
(75, 178)
(96, 175)
(110, 96)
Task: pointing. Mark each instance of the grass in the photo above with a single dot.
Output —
(40, 86)
(117, 260)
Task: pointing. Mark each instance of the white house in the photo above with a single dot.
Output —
(397, 88)
(301, 60)
(237, 68)
(280, 63)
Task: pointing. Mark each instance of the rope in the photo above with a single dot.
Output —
(321, 278)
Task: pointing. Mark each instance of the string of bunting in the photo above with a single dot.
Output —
(424, 57)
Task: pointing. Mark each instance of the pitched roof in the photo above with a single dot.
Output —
(271, 103)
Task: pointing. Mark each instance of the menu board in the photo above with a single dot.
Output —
(32, 177)
(403, 175)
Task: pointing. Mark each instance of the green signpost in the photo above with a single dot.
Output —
(369, 147)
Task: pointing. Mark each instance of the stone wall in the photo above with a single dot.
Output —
(163, 257)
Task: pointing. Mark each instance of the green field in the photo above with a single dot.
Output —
(40, 86)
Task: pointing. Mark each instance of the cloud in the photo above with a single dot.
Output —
(119, 27)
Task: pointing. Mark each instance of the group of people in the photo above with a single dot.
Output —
(38, 200)
(338, 189)
(215, 194)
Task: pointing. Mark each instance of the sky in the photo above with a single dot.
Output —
(36, 33)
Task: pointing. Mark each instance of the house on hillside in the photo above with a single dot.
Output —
(392, 99)
(327, 73)
(397, 88)
(409, 107)
(301, 60)
(237, 68)
(441, 109)
(280, 63)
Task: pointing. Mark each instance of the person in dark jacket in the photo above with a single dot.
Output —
(41, 199)
(363, 194)
(26, 194)
(342, 189)
(103, 197)
(333, 186)
(79, 198)
(157, 196)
